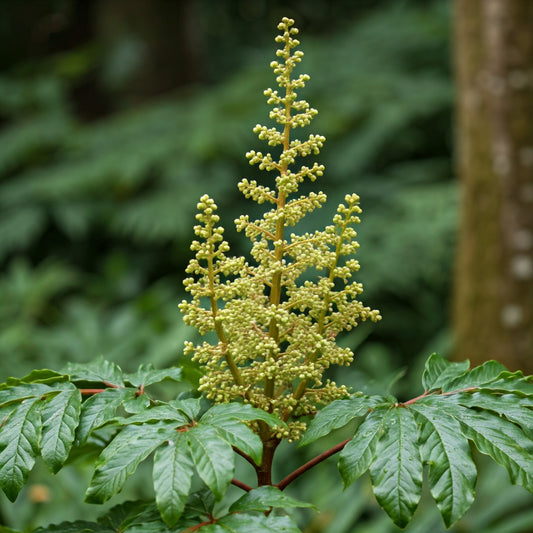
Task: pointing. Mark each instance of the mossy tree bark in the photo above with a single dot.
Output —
(493, 309)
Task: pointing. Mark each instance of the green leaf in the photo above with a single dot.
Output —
(478, 376)
(452, 472)
(517, 409)
(44, 376)
(4, 529)
(155, 414)
(98, 371)
(80, 526)
(514, 382)
(98, 409)
(147, 375)
(439, 372)
(240, 436)
(358, 454)
(134, 516)
(396, 471)
(136, 404)
(190, 407)
(19, 445)
(200, 504)
(263, 499)
(251, 523)
(502, 440)
(337, 414)
(122, 457)
(213, 458)
(60, 418)
(239, 411)
(173, 470)
(24, 391)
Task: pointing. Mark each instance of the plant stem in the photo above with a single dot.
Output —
(264, 470)
(310, 464)
(241, 485)
(279, 247)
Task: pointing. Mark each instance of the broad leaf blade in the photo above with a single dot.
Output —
(190, 407)
(99, 371)
(122, 457)
(147, 375)
(337, 414)
(98, 409)
(80, 526)
(242, 437)
(23, 392)
(44, 376)
(155, 414)
(213, 458)
(252, 523)
(60, 418)
(504, 441)
(173, 470)
(358, 454)
(263, 499)
(19, 445)
(517, 409)
(439, 372)
(478, 376)
(396, 471)
(452, 472)
(513, 382)
(239, 411)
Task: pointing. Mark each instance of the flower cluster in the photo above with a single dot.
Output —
(276, 333)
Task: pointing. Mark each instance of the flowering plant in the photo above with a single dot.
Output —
(275, 328)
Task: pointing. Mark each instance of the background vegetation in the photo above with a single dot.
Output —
(117, 115)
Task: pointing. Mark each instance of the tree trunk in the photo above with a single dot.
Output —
(493, 305)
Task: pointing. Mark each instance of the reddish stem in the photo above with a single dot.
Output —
(310, 464)
(91, 391)
(245, 456)
(241, 485)
(211, 520)
(436, 393)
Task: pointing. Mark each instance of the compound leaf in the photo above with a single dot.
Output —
(147, 375)
(495, 436)
(239, 411)
(252, 523)
(452, 472)
(122, 457)
(213, 458)
(80, 526)
(358, 454)
(98, 371)
(517, 409)
(439, 372)
(337, 414)
(396, 471)
(476, 377)
(240, 436)
(155, 414)
(60, 418)
(100, 408)
(263, 499)
(19, 445)
(173, 470)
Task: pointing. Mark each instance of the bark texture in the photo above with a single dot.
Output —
(493, 303)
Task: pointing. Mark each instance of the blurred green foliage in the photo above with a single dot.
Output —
(96, 212)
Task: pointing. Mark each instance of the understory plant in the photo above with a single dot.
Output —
(270, 326)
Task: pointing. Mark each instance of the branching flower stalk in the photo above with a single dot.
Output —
(276, 329)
